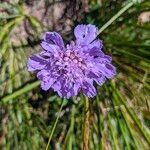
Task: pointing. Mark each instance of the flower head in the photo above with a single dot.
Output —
(71, 69)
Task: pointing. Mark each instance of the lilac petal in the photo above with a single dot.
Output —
(46, 55)
(107, 58)
(59, 93)
(60, 87)
(36, 62)
(53, 49)
(56, 86)
(108, 70)
(96, 43)
(43, 74)
(100, 80)
(85, 34)
(103, 59)
(92, 74)
(93, 49)
(67, 89)
(53, 38)
(69, 94)
(63, 92)
(66, 94)
(76, 88)
(46, 79)
(96, 52)
(88, 88)
(111, 68)
(45, 85)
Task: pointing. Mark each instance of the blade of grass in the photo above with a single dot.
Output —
(116, 103)
(9, 26)
(115, 17)
(133, 133)
(112, 127)
(21, 91)
(133, 116)
(122, 126)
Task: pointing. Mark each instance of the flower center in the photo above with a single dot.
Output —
(68, 61)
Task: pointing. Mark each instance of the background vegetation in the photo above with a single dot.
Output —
(120, 113)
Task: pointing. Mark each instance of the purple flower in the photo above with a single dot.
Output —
(71, 69)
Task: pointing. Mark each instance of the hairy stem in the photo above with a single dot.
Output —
(86, 124)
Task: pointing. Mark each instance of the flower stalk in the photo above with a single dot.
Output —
(54, 126)
(86, 124)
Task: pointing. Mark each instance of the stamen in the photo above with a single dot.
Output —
(75, 61)
(68, 53)
(80, 59)
(58, 63)
(72, 56)
(66, 58)
(80, 64)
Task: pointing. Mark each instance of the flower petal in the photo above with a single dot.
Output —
(97, 76)
(56, 86)
(67, 89)
(85, 34)
(100, 79)
(53, 38)
(76, 88)
(36, 62)
(96, 52)
(96, 43)
(53, 49)
(45, 85)
(111, 69)
(46, 79)
(88, 88)
(107, 70)
(103, 59)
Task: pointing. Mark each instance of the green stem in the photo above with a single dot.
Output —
(54, 126)
(86, 124)
(115, 17)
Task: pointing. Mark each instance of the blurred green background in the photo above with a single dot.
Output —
(119, 114)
